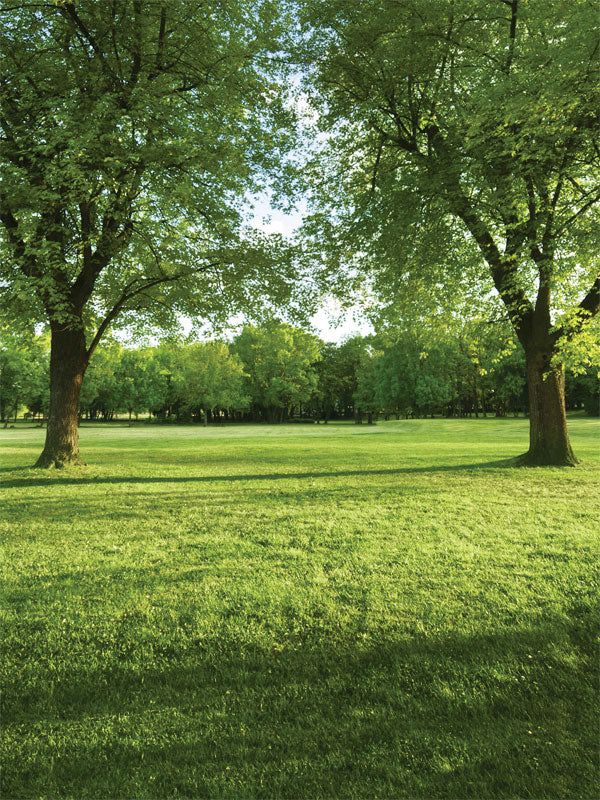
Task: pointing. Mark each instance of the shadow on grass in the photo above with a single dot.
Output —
(324, 714)
(73, 480)
(176, 503)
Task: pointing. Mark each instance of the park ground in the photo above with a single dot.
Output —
(301, 612)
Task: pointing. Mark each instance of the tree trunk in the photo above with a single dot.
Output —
(68, 362)
(548, 435)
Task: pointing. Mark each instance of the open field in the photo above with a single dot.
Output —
(301, 612)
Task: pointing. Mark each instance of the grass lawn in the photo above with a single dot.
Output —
(301, 612)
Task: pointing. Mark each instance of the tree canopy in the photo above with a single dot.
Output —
(131, 133)
(280, 362)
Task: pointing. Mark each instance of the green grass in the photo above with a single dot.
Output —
(301, 612)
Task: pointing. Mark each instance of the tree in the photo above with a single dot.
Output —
(435, 389)
(162, 378)
(131, 130)
(101, 395)
(583, 391)
(508, 383)
(463, 134)
(210, 377)
(337, 372)
(37, 397)
(280, 361)
(397, 374)
(365, 395)
(22, 373)
(134, 378)
(583, 371)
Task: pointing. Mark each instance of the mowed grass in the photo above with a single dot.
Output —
(301, 612)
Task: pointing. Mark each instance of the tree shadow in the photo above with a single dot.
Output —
(135, 505)
(83, 480)
(320, 713)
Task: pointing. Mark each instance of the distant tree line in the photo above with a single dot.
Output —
(276, 372)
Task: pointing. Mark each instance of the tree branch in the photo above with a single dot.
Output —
(591, 302)
(132, 290)
(581, 210)
(503, 270)
(69, 11)
(586, 310)
(160, 47)
(11, 224)
(512, 33)
(136, 63)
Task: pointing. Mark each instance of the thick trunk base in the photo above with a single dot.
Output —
(58, 459)
(545, 458)
(549, 443)
(68, 361)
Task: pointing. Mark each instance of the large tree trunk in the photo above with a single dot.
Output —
(68, 362)
(548, 435)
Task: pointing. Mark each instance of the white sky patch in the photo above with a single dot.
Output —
(271, 220)
(334, 324)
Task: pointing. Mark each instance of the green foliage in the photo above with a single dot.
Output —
(396, 377)
(280, 363)
(210, 377)
(135, 378)
(23, 374)
(365, 394)
(583, 391)
(508, 385)
(101, 393)
(455, 369)
(338, 372)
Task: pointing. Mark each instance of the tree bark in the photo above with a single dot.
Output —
(549, 443)
(68, 362)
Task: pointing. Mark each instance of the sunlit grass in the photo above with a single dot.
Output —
(301, 612)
